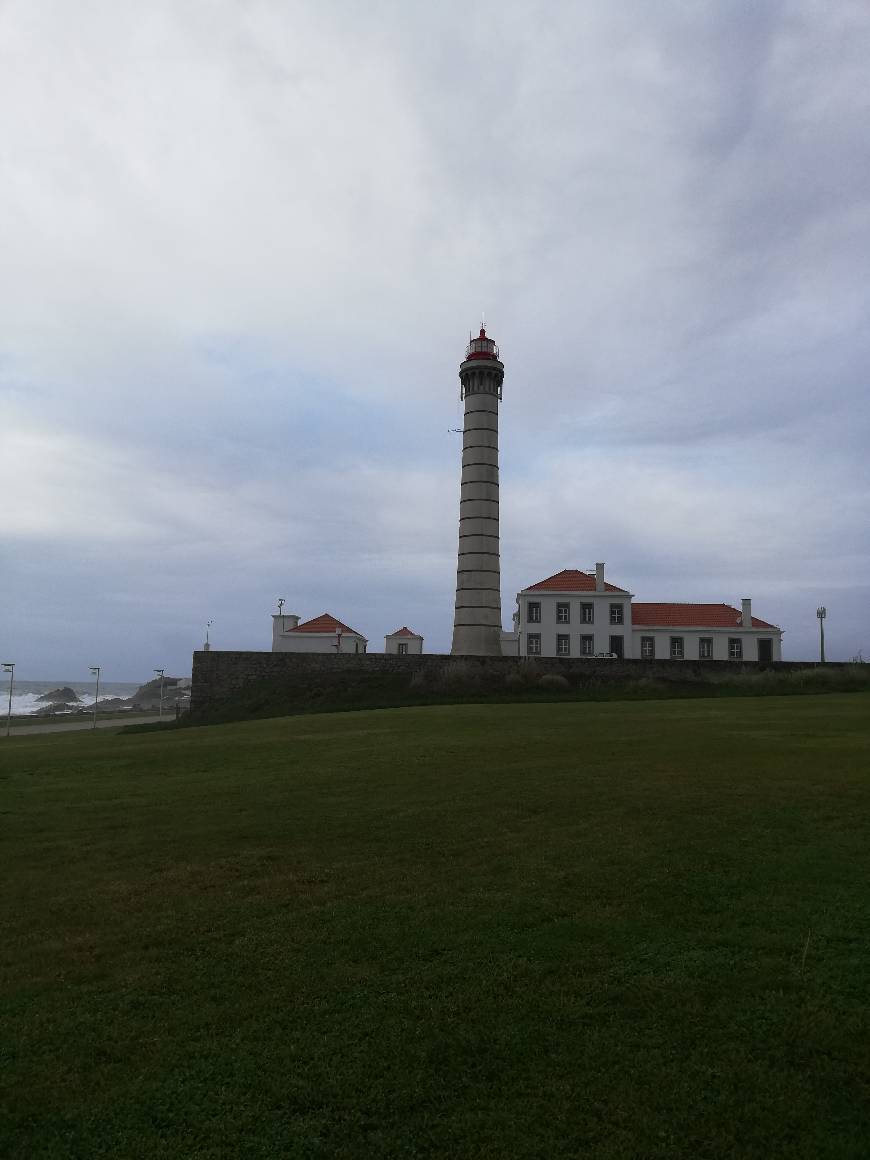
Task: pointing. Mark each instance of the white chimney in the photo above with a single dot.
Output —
(746, 617)
(281, 623)
(599, 577)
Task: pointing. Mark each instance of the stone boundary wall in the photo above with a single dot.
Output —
(218, 676)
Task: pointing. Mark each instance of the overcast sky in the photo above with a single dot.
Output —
(242, 243)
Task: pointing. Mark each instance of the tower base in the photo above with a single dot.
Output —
(473, 640)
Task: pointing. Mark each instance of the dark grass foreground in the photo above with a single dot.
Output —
(589, 930)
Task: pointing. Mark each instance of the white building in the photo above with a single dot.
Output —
(577, 613)
(323, 634)
(403, 642)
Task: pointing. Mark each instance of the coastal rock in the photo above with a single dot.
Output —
(152, 688)
(106, 704)
(147, 696)
(64, 696)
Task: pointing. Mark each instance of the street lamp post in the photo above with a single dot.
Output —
(9, 667)
(95, 671)
(821, 613)
(159, 673)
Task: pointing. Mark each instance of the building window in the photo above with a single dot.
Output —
(647, 647)
(616, 646)
(563, 614)
(705, 648)
(587, 613)
(587, 646)
(534, 612)
(616, 614)
(533, 644)
(402, 650)
(735, 648)
(677, 653)
(563, 646)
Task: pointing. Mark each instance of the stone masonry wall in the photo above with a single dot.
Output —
(218, 676)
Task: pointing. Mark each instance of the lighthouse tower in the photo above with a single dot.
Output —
(477, 620)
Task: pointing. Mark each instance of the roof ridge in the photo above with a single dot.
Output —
(691, 604)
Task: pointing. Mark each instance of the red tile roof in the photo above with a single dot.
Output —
(571, 580)
(404, 631)
(325, 623)
(690, 616)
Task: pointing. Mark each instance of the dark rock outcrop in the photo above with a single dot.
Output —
(64, 696)
(150, 691)
(106, 704)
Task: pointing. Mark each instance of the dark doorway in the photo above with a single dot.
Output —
(616, 645)
(765, 650)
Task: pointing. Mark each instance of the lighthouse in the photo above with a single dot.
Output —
(477, 619)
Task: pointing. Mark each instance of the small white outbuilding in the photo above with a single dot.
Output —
(403, 642)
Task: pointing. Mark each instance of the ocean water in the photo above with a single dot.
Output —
(25, 693)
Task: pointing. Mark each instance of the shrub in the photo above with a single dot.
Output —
(554, 682)
(460, 676)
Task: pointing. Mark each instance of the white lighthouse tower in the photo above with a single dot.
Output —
(477, 619)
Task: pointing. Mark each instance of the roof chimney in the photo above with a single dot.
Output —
(282, 622)
(599, 577)
(746, 616)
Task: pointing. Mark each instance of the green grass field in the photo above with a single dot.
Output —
(550, 930)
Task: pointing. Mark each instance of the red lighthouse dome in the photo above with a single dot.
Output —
(481, 347)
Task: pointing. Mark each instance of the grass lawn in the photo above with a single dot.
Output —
(551, 930)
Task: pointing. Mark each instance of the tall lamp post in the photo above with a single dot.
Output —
(159, 673)
(821, 613)
(9, 667)
(95, 671)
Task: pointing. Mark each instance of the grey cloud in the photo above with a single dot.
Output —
(242, 243)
